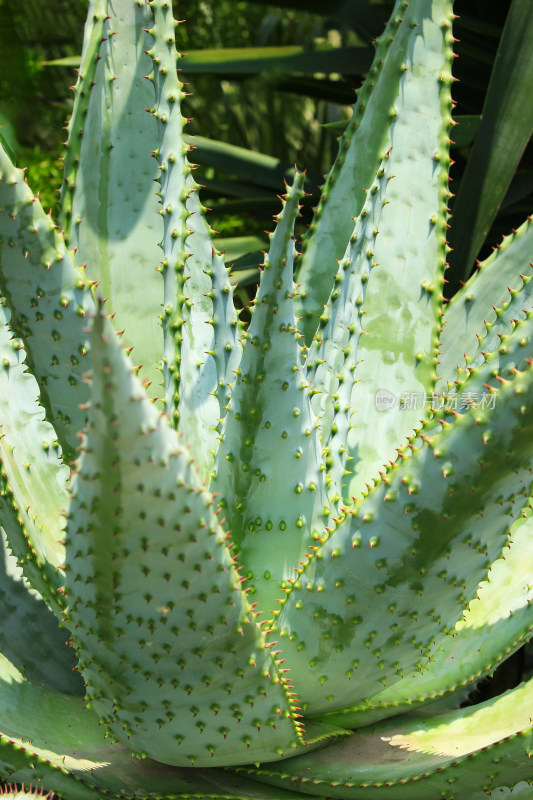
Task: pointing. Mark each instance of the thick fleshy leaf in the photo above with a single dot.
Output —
(109, 202)
(49, 740)
(210, 346)
(497, 622)
(200, 326)
(269, 426)
(33, 496)
(48, 297)
(501, 290)
(174, 661)
(453, 491)
(94, 33)
(501, 618)
(334, 353)
(492, 364)
(402, 301)
(468, 753)
(418, 37)
(29, 633)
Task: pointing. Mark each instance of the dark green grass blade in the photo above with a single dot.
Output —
(506, 126)
(280, 59)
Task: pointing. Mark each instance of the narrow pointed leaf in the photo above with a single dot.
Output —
(402, 301)
(281, 59)
(334, 353)
(238, 246)
(210, 347)
(498, 292)
(365, 141)
(34, 481)
(94, 33)
(258, 168)
(199, 321)
(49, 298)
(109, 202)
(270, 425)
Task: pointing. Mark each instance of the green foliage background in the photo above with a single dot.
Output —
(249, 111)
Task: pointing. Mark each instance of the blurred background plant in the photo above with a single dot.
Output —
(271, 85)
(36, 101)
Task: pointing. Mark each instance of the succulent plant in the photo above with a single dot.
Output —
(268, 560)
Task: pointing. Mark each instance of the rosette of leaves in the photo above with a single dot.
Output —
(264, 562)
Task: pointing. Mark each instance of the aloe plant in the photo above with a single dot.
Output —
(265, 561)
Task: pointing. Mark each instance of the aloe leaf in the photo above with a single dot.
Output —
(471, 752)
(200, 325)
(210, 348)
(501, 618)
(269, 425)
(94, 34)
(419, 36)
(48, 297)
(181, 352)
(499, 291)
(110, 208)
(227, 349)
(402, 301)
(334, 353)
(381, 568)
(63, 750)
(493, 363)
(34, 480)
(29, 634)
(506, 126)
(497, 622)
(149, 648)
